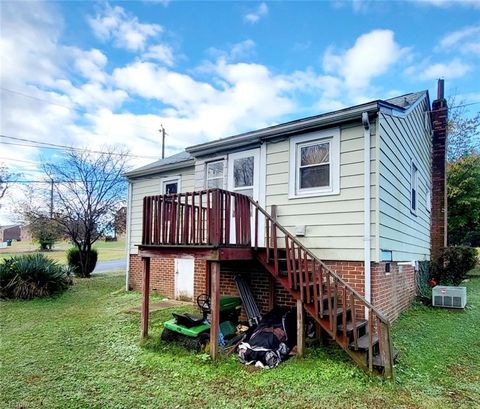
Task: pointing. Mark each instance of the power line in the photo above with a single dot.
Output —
(46, 145)
(81, 110)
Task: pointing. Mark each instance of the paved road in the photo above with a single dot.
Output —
(104, 266)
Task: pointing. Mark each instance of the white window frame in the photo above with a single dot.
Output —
(167, 180)
(222, 161)
(413, 185)
(330, 136)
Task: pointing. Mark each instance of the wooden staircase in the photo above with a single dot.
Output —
(344, 314)
(218, 222)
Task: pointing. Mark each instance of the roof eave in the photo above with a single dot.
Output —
(158, 169)
(282, 130)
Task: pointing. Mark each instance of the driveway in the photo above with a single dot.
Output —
(104, 266)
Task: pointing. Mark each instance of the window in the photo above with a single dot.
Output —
(413, 188)
(243, 175)
(214, 175)
(315, 164)
(170, 186)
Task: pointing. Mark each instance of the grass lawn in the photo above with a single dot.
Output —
(107, 251)
(81, 350)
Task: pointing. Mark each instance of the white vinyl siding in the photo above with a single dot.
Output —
(334, 223)
(405, 145)
(149, 186)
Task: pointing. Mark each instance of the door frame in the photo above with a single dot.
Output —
(259, 177)
(176, 273)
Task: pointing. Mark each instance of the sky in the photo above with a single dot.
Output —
(95, 74)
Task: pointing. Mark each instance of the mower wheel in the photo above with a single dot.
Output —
(204, 342)
(168, 335)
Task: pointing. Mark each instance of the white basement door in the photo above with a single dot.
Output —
(184, 278)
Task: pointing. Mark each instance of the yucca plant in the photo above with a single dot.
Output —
(31, 276)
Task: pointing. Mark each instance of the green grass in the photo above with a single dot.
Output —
(82, 350)
(107, 251)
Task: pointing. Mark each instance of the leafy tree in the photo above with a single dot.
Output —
(120, 221)
(87, 188)
(463, 177)
(463, 131)
(44, 230)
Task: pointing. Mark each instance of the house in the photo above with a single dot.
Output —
(329, 213)
(10, 232)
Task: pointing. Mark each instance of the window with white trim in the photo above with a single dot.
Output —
(170, 186)
(315, 164)
(413, 188)
(214, 175)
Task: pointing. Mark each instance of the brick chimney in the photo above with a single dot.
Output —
(439, 117)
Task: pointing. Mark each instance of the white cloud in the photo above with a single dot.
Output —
(466, 40)
(160, 52)
(235, 52)
(450, 3)
(451, 70)
(114, 23)
(255, 15)
(90, 64)
(372, 55)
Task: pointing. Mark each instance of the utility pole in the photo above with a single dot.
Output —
(51, 198)
(162, 131)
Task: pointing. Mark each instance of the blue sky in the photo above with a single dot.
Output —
(96, 73)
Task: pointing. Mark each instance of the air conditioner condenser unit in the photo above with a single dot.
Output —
(449, 297)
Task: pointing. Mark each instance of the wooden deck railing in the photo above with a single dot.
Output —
(218, 217)
(325, 294)
(209, 217)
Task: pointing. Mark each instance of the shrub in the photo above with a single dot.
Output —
(73, 258)
(453, 264)
(30, 276)
(423, 283)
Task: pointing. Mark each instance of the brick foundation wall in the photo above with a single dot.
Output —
(391, 292)
(162, 275)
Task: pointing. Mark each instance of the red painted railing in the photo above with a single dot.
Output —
(218, 217)
(209, 217)
(325, 295)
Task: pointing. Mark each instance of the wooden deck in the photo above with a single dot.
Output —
(217, 225)
(205, 252)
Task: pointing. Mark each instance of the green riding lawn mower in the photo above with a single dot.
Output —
(194, 331)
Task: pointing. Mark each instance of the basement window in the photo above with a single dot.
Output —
(315, 164)
(214, 175)
(413, 188)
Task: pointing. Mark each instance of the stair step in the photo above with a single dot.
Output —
(362, 342)
(377, 360)
(359, 324)
(339, 311)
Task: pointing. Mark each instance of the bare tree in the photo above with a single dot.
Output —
(6, 178)
(87, 187)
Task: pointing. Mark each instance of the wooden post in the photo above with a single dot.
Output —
(300, 329)
(215, 307)
(386, 350)
(145, 296)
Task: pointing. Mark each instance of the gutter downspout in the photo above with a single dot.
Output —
(127, 242)
(366, 204)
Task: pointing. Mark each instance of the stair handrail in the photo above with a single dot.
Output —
(380, 316)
